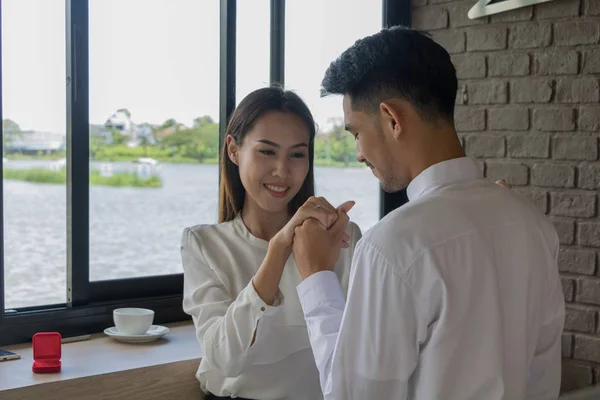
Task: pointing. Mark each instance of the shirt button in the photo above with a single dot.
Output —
(262, 309)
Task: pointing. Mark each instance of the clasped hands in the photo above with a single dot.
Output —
(316, 234)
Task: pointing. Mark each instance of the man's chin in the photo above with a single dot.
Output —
(392, 187)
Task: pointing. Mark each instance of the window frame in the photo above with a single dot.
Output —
(89, 305)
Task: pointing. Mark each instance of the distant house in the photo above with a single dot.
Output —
(121, 121)
(34, 142)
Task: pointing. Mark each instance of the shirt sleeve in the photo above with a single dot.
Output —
(359, 352)
(544, 376)
(225, 325)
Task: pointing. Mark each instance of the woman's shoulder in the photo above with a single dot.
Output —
(202, 235)
(206, 229)
(221, 228)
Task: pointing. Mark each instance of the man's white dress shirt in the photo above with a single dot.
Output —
(454, 296)
(219, 262)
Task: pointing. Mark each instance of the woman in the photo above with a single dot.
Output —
(239, 276)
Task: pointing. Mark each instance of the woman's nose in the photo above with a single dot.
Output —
(282, 169)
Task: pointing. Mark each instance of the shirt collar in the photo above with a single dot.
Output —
(442, 174)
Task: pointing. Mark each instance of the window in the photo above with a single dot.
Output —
(252, 46)
(34, 126)
(111, 112)
(153, 131)
(312, 40)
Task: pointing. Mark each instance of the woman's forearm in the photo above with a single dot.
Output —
(266, 280)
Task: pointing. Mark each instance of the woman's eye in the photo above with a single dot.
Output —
(298, 155)
(267, 152)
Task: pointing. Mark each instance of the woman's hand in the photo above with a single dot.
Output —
(317, 208)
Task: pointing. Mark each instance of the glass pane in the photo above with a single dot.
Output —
(252, 46)
(338, 176)
(34, 124)
(154, 102)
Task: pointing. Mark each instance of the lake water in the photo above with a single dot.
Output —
(133, 231)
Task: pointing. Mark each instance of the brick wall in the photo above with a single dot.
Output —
(528, 107)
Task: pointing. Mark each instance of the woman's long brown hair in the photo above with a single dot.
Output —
(258, 103)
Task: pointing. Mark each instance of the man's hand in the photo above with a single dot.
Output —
(316, 248)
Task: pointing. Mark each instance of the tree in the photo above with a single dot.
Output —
(199, 142)
(117, 137)
(342, 147)
(169, 123)
(10, 126)
(202, 121)
(145, 142)
(96, 144)
(11, 131)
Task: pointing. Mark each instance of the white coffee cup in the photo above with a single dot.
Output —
(133, 321)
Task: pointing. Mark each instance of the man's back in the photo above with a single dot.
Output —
(454, 296)
(480, 261)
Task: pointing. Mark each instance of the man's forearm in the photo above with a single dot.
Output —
(323, 304)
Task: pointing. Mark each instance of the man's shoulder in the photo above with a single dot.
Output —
(420, 225)
(397, 236)
(409, 220)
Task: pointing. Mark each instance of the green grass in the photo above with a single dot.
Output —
(41, 156)
(124, 179)
(35, 175)
(119, 179)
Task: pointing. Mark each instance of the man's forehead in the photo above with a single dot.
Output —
(348, 113)
(347, 102)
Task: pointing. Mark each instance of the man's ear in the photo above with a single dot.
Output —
(391, 119)
(232, 149)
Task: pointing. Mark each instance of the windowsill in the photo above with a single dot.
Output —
(102, 367)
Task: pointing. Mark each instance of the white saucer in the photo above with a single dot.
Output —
(155, 332)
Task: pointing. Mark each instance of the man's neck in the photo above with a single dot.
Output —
(444, 146)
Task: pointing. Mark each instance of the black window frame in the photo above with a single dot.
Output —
(90, 303)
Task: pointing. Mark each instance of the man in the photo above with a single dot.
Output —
(455, 295)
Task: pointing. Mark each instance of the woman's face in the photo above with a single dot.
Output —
(272, 160)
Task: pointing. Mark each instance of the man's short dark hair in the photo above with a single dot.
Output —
(397, 62)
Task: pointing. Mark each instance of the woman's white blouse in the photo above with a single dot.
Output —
(219, 262)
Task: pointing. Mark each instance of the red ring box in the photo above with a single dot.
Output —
(47, 348)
